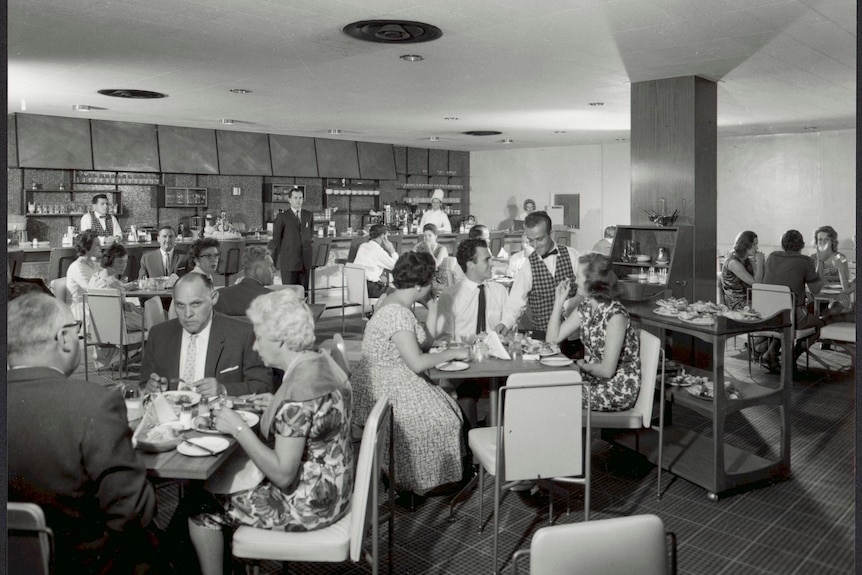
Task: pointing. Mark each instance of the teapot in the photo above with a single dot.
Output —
(663, 255)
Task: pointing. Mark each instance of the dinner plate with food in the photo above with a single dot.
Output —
(162, 437)
(206, 424)
(556, 361)
(743, 315)
(706, 391)
(676, 303)
(181, 398)
(666, 311)
(696, 318)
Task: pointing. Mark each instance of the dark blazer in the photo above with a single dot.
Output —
(236, 299)
(70, 451)
(292, 240)
(152, 265)
(230, 357)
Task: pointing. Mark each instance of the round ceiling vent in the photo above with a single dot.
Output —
(482, 133)
(392, 31)
(133, 94)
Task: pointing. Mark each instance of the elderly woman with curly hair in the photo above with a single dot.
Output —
(428, 439)
(742, 269)
(611, 344)
(307, 476)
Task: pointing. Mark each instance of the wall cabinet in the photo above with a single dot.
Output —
(675, 242)
(176, 197)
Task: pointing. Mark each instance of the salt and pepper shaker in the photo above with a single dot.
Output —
(186, 417)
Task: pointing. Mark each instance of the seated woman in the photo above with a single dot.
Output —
(308, 474)
(612, 348)
(114, 260)
(428, 440)
(441, 258)
(833, 268)
(205, 254)
(742, 269)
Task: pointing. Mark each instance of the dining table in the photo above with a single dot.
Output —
(174, 465)
(827, 294)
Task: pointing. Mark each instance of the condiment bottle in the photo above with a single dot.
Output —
(186, 417)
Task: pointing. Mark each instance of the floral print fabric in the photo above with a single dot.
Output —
(619, 392)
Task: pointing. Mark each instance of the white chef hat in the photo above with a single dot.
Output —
(438, 194)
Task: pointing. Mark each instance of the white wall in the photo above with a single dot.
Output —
(768, 184)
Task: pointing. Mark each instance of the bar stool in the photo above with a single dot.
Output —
(231, 258)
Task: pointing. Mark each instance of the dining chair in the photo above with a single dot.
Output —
(154, 314)
(640, 415)
(14, 263)
(300, 291)
(133, 264)
(544, 435)
(59, 262)
(354, 291)
(108, 324)
(60, 289)
(230, 261)
(769, 299)
(30, 542)
(633, 544)
(339, 352)
(347, 537)
(843, 334)
(497, 239)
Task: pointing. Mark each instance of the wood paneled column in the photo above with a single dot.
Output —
(673, 156)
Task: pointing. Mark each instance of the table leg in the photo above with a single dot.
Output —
(493, 394)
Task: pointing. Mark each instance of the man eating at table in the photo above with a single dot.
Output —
(203, 349)
(70, 447)
(535, 282)
(470, 306)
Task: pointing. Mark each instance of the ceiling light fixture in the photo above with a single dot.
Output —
(450, 118)
(23, 105)
(81, 107)
(433, 139)
(239, 91)
(505, 141)
(132, 94)
(620, 139)
(412, 58)
(559, 131)
(810, 128)
(227, 121)
(597, 103)
(482, 133)
(334, 131)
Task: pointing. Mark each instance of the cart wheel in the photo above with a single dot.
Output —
(712, 496)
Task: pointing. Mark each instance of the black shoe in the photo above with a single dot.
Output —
(409, 500)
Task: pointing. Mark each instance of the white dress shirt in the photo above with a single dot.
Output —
(374, 259)
(201, 345)
(87, 223)
(458, 307)
(516, 303)
(437, 217)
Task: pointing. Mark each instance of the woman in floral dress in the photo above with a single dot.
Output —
(307, 477)
(612, 365)
(428, 438)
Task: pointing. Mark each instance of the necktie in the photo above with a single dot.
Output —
(191, 360)
(297, 214)
(553, 252)
(167, 264)
(480, 316)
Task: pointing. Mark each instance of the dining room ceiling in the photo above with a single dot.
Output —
(541, 72)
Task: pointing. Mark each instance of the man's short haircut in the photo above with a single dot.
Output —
(429, 227)
(792, 241)
(295, 189)
(259, 270)
(98, 197)
(202, 244)
(533, 219)
(477, 231)
(194, 277)
(467, 251)
(166, 227)
(253, 254)
(32, 319)
(377, 230)
(113, 252)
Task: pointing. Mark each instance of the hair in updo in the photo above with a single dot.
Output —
(413, 269)
(600, 280)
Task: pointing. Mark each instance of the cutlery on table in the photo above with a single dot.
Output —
(199, 446)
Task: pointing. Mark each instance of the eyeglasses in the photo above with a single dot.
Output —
(75, 324)
(211, 256)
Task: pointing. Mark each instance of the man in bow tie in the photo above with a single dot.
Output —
(100, 220)
(535, 282)
(292, 235)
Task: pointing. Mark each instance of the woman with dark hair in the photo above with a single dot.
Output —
(78, 275)
(833, 268)
(440, 254)
(428, 439)
(612, 349)
(742, 269)
(205, 254)
(114, 260)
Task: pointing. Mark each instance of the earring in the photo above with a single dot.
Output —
(418, 288)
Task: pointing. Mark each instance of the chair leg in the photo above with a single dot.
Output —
(497, 489)
(481, 496)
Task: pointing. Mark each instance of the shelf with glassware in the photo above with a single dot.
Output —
(43, 203)
(349, 204)
(649, 260)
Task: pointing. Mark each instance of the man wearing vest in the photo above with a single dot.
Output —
(100, 220)
(535, 282)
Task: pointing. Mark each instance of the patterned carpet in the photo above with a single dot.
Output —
(802, 525)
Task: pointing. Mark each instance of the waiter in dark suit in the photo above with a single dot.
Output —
(166, 260)
(204, 348)
(292, 238)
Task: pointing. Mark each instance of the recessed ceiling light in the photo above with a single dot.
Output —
(810, 128)
(132, 94)
(239, 91)
(227, 121)
(597, 103)
(450, 118)
(81, 107)
(23, 105)
(559, 131)
(505, 141)
(433, 139)
(412, 58)
(334, 131)
(620, 139)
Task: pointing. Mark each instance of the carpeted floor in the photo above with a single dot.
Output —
(802, 525)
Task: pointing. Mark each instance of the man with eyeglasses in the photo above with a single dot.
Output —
(204, 349)
(70, 448)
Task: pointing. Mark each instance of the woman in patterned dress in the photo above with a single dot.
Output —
(428, 440)
(742, 269)
(439, 253)
(833, 268)
(308, 473)
(612, 350)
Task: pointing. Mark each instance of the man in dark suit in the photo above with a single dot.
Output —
(70, 448)
(203, 348)
(165, 260)
(292, 238)
(235, 300)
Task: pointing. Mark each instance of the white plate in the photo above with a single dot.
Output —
(250, 418)
(453, 366)
(741, 316)
(217, 444)
(556, 361)
(174, 397)
(552, 349)
(699, 320)
(665, 311)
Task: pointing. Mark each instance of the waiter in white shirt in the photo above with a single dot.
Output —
(100, 220)
(436, 215)
(535, 282)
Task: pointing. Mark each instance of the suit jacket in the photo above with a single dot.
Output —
(292, 240)
(236, 299)
(152, 265)
(70, 451)
(230, 357)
